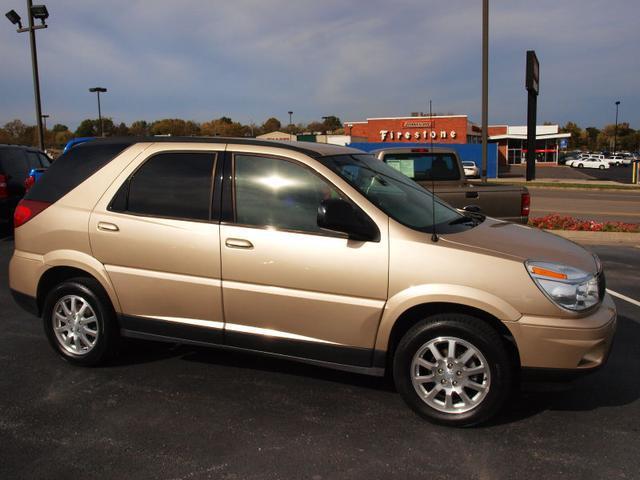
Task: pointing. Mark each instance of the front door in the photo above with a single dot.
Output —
(288, 286)
(156, 237)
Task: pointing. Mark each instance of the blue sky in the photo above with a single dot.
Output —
(251, 59)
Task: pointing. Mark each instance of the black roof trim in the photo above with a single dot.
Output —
(236, 140)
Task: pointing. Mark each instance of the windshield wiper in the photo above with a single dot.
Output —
(464, 219)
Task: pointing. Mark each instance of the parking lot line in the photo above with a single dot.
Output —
(624, 297)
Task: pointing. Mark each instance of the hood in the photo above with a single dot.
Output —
(498, 238)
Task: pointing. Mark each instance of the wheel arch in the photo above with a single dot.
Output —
(418, 312)
(60, 266)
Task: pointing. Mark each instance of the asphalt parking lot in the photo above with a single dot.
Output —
(175, 412)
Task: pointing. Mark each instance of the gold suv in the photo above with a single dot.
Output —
(305, 251)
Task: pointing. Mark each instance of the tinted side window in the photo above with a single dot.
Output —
(14, 164)
(174, 185)
(278, 193)
(33, 160)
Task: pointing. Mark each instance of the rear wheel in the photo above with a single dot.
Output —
(580, 165)
(80, 322)
(453, 369)
(601, 167)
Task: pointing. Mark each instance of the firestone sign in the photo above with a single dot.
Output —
(419, 135)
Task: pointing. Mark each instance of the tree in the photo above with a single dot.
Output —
(121, 130)
(91, 127)
(58, 127)
(139, 128)
(332, 123)
(271, 125)
(15, 128)
(174, 127)
(592, 138)
(223, 126)
(576, 139)
(316, 127)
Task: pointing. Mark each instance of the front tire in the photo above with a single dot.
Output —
(80, 322)
(601, 167)
(453, 369)
(580, 165)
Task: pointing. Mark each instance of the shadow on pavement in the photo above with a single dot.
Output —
(613, 385)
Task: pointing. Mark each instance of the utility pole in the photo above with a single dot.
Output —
(615, 132)
(40, 12)
(99, 90)
(485, 86)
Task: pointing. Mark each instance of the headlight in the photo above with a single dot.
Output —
(566, 286)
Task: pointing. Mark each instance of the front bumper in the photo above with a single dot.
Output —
(570, 344)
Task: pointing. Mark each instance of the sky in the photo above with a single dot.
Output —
(252, 59)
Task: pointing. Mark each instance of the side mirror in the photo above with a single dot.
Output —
(472, 209)
(341, 216)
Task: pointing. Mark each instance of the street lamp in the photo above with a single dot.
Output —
(290, 123)
(98, 91)
(41, 13)
(615, 132)
(44, 120)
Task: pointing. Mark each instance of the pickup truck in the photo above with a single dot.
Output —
(440, 169)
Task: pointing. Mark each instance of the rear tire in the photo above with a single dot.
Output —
(461, 388)
(80, 322)
(580, 165)
(601, 167)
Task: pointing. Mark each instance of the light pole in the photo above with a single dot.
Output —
(615, 132)
(44, 121)
(98, 91)
(40, 12)
(485, 86)
(290, 123)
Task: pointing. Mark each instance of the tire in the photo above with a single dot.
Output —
(471, 336)
(580, 165)
(601, 167)
(88, 339)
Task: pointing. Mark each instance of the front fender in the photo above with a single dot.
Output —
(440, 293)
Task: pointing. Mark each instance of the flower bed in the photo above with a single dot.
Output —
(560, 222)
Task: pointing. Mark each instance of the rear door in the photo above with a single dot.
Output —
(157, 233)
(288, 286)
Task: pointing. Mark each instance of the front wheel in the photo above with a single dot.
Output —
(79, 321)
(453, 369)
(601, 167)
(581, 165)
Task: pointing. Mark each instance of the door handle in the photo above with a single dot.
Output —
(108, 227)
(238, 243)
(471, 195)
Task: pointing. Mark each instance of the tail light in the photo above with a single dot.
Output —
(29, 182)
(26, 210)
(525, 204)
(3, 187)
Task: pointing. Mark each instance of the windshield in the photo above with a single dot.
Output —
(396, 195)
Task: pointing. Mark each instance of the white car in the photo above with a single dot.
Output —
(588, 163)
(470, 169)
(618, 160)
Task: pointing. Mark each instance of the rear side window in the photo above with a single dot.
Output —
(14, 165)
(424, 166)
(173, 184)
(73, 168)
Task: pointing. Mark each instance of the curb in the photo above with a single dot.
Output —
(599, 238)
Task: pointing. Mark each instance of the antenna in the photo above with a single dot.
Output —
(434, 235)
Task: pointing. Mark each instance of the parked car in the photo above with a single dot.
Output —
(600, 164)
(19, 167)
(471, 170)
(618, 160)
(312, 252)
(440, 169)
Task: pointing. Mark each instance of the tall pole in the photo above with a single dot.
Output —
(290, 123)
(485, 86)
(615, 132)
(100, 115)
(36, 81)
